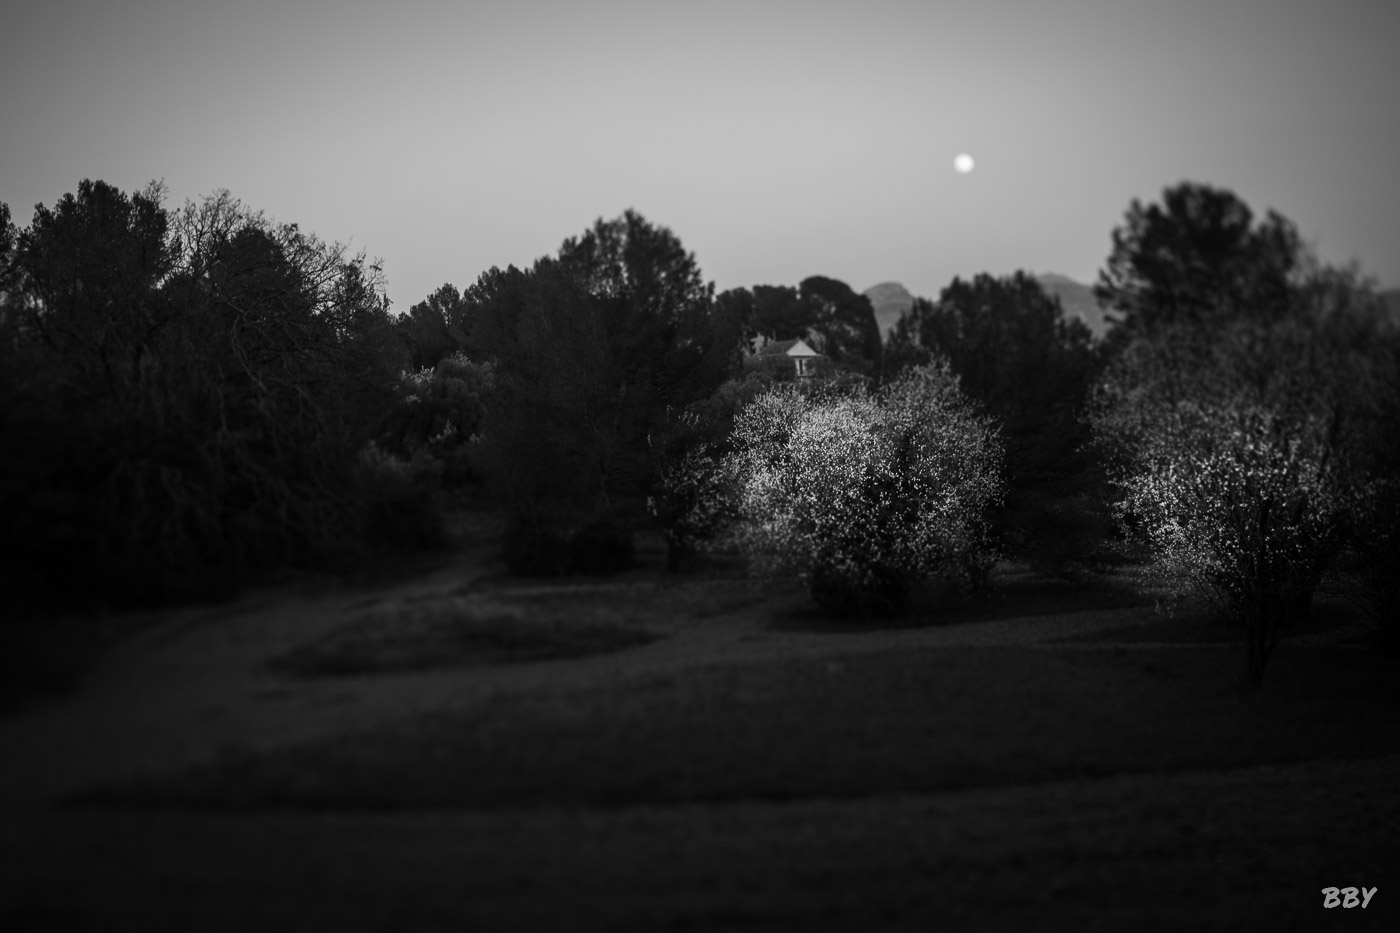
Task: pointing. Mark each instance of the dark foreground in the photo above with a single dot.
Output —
(738, 769)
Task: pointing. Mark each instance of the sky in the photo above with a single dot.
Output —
(778, 140)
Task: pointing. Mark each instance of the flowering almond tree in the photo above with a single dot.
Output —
(859, 496)
(1238, 503)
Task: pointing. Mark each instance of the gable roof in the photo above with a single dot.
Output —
(796, 347)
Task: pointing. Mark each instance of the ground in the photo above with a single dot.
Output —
(459, 750)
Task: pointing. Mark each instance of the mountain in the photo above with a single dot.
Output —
(890, 300)
(1078, 301)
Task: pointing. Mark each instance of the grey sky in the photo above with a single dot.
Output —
(777, 139)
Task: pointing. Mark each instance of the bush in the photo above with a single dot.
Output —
(860, 496)
(439, 414)
(1237, 487)
(399, 503)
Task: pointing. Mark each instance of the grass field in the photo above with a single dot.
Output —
(468, 752)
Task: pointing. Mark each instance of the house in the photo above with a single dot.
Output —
(802, 356)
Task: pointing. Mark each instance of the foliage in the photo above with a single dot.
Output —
(1372, 400)
(835, 320)
(183, 396)
(1196, 258)
(398, 505)
(1242, 506)
(844, 329)
(591, 350)
(860, 496)
(1239, 445)
(1018, 355)
(439, 416)
(427, 329)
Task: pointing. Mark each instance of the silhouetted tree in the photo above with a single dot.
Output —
(1197, 257)
(185, 396)
(591, 350)
(1018, 355)
(844, 326)
(428, 325)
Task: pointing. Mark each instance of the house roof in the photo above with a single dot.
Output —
(787, 348)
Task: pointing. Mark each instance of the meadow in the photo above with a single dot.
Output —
(462, 749)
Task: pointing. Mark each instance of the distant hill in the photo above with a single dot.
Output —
(890, 300)
(1078, 301)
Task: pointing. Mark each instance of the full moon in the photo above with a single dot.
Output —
(963, 163)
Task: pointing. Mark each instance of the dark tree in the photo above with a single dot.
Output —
(184, 397)
(87, 273)
(843, 323)
(1018, 355)
(1196, 258)
(781, 314)
(427, 328)
(591, 350)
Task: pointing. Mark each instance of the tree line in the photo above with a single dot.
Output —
(197, 397)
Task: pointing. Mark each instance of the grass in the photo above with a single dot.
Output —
(866, 725)
(1102, 782)
(454, 632)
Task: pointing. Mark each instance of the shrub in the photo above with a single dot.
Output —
(860, 496)
(398, 500)
(1250, 447)
(1239, 501)
(439, 413)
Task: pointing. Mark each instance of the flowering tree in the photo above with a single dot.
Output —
(1242, 506)
(1232, 467)
(858, 496)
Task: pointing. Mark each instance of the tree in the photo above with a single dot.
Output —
(1196, 258)
(844, 326)
(1239, 458)
(861, 496)
(837, 321)
(185, 395)
(1240, 505)
(591, 351)
(427, 328)
(1015, 352)
(87, 273)
(1009, 342)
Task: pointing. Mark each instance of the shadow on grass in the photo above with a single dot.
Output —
(897, 722)
(1013, 593)
(1201, 626)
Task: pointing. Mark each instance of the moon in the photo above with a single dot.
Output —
(963, 163)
